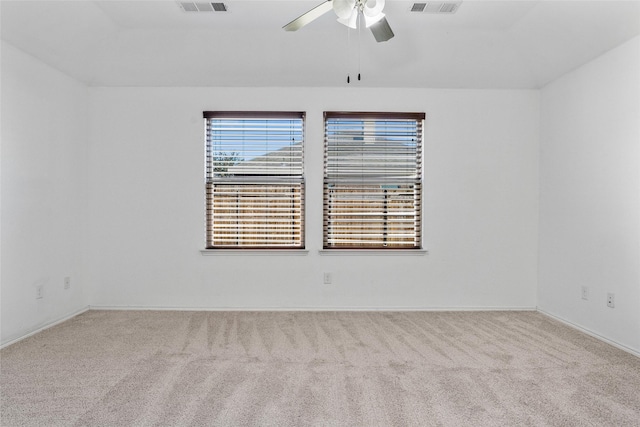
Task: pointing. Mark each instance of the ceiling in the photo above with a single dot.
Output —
(485, 44)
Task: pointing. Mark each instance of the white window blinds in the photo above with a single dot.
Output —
(255, 184)
(372, 180)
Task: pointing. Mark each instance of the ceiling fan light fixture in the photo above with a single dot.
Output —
(381, 30)
(372, 7)
(371, 20)
(348, 12)
(351, 21)
(344, 8)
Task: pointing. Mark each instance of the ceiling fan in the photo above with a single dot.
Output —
(349, 13)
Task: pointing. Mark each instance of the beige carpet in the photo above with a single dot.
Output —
(133, 368)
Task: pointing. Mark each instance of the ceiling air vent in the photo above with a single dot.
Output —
(446, 7)
(219, 7)
(203, 7)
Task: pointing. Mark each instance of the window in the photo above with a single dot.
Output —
(254, 180)
(372, 180)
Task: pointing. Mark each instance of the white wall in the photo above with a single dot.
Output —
(44, 203)
(590, 195)
(146, 208)
(134, 238)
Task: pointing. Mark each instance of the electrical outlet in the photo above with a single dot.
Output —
(67, 282)
(585, 292)
(327, 278)
(39, 291)
(610, 300)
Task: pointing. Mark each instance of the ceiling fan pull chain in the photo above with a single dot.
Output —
(347, 58)
(359, 42)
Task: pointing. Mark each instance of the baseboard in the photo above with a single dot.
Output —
(340, 308)
(591, 333)
(311, 308)
(43, 327)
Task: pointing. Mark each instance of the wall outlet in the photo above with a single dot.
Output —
(39, 291)
(585, 292)
(327, 278)
(67, 282)
(610, 300)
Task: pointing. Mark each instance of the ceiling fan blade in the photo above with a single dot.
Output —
(311, 15)
(381, 30)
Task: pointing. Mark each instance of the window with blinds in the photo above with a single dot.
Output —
(372, 180)
(254, 180)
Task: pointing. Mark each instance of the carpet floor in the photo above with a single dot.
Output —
(161, 368)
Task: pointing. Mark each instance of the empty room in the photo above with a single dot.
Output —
(320, 213)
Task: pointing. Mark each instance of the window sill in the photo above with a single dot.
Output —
(252, 252)
(374, 252)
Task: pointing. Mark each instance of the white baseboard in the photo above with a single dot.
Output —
(591, 333)
(42, 327)
(339, 308)
(342, 308)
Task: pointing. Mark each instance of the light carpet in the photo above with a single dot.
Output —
(161, 368)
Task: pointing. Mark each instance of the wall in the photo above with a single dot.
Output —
(590, 196)
(146, 206)
(44, 193)
(139, 230)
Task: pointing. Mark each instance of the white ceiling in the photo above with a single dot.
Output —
(486, 44)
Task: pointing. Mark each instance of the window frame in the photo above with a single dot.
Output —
(417, 183)
(264, 179)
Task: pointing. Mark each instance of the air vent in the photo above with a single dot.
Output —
(203, 7)
(219, 7)
(448, 8)
(440, 7)
(189, 7)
